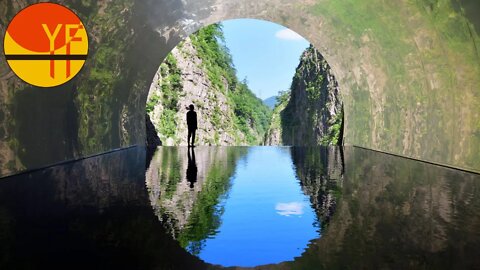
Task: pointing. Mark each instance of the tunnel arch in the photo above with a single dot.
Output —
(409, 74)
(382, 119)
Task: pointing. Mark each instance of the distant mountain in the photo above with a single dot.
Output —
(270, 102)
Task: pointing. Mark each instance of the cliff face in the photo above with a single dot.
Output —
(199, 71)
(274, 132)
(312, 112)
(152, 140)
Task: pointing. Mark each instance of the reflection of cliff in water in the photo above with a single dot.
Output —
(396, 213)
(89, 214)
(320, 171)
(391, 213)
(191, 214)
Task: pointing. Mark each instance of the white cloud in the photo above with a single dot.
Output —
(287, 209)
(288, 34)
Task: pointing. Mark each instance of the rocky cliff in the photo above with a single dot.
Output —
(200, 71)
(311, 113)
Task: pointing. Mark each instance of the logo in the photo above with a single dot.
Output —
(46, 44)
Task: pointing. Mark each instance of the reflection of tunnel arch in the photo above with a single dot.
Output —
(410, 75)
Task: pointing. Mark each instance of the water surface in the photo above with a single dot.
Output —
(366, 210)
(262, 216)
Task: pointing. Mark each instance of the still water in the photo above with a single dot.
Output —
(270, 207)
(257, 212)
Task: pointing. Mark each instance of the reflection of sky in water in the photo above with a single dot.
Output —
(287, 209)
(257, 225)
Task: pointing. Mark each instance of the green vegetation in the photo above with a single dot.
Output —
(251, 116)
(152, 101)
(396, 215)
(98, 90)
(250, 113)
(171, 87)
(201, 218)
(283, 97)
(233, 108)
(206, 213)
(334, 130)
(276, 120)
(305, 113)
(210, 44)
(320, 177)
(170, 172)
(427, 50)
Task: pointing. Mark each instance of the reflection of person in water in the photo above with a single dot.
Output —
(192, 168)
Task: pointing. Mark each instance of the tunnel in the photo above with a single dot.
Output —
(409, 73)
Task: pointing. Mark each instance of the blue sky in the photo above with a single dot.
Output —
(264, 52)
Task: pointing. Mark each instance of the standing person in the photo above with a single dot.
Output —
(192, 124)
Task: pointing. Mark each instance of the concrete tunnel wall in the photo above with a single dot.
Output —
(409, 72)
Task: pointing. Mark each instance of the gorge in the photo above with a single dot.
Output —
(200, 71)
(369, 159)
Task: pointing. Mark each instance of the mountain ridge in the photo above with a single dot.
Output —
(270, 102)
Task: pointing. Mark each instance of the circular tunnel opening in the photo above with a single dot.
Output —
(252, 83)
(409, 72)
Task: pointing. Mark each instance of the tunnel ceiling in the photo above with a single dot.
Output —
(409, 71)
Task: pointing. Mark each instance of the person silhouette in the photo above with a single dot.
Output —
(191, 168)
(191, 124)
